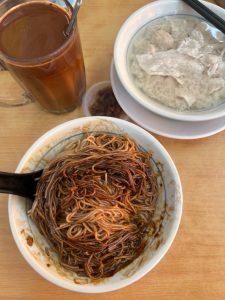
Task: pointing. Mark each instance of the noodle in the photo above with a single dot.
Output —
(95, 203)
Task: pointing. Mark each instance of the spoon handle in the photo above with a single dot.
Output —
(19, 184)
(73, 19)
(207, 13)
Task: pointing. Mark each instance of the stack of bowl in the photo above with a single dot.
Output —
(148, 113)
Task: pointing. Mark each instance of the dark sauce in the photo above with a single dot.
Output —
(105, 104)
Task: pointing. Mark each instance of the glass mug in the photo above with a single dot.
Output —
(49, 66)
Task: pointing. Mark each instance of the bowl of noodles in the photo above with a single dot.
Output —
(107, 206)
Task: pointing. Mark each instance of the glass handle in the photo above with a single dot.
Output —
(11, 102)
(7, 102)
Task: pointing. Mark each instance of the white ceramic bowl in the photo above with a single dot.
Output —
(135, 22)
(167, 216)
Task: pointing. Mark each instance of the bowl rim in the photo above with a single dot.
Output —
(100, 288)
(159, 109)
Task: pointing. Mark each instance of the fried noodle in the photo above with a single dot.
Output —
(95, 204)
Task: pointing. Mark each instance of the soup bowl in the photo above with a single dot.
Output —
(129, 29)
(36, 249)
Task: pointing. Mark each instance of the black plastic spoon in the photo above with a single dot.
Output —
(20, 184)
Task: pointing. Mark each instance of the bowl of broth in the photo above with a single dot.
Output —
(107, 222)
(171, 61)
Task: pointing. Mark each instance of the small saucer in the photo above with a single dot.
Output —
(160, 125)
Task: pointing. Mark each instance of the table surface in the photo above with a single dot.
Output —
(194, 267)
